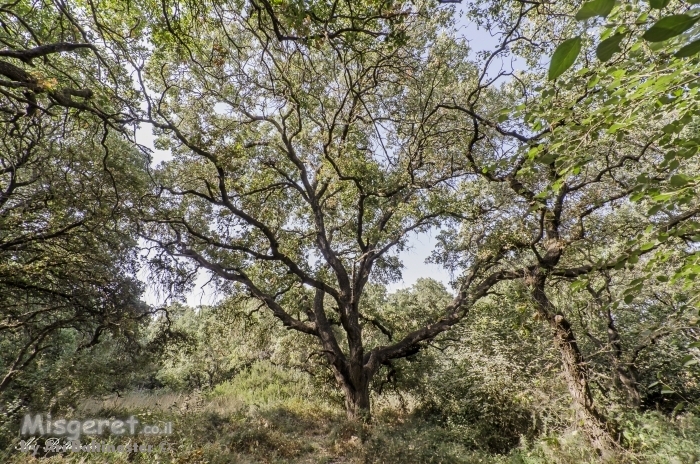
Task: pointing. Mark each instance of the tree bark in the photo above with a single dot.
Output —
(626, 372)
(600, 431)
(352, 375)
(356, 391)
(357, 402)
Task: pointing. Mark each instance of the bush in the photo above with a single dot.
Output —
(265, 385)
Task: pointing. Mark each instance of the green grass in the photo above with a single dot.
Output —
(269, 416)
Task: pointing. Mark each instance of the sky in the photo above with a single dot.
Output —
(414, 257)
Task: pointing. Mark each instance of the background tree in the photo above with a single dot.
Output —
(568, 173)
(66, 240)
(69, 179)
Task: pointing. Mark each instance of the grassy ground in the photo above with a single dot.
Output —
(277, 423)
(225, 429)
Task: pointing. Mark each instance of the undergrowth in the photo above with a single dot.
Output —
(270, 416)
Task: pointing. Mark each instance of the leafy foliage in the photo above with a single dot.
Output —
(310, 142)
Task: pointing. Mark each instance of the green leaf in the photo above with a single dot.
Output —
(689, 50)
(662, 196)
(679, 407)
(667, 391)
(694, 345)
(608, 47)
(614, 128)
(564, 57)
(689, 360)
(679, 180)
(668, 27)
(595, 8)
(654, 209)
(629, 298)
(547, 158)
(658, 4)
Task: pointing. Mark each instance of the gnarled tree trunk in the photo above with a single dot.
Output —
(352, 375)
(357, 402)
(601, 432)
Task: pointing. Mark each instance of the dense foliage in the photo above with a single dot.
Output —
(309, 144)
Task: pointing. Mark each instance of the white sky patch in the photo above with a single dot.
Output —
(413, 258)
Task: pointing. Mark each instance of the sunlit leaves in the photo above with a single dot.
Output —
(669, 27)
(689, 50)
(564, 57)
(595, 8)
(608, 47)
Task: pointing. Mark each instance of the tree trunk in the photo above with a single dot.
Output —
(600, 431)
(597, 428)
(350, 373)
(357, 404)
(626, 373)
(628, 378)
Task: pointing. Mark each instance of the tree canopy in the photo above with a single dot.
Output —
(311, 141)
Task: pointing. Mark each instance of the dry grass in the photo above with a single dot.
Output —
(140, 400)
(220, 429)
(259, 422)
